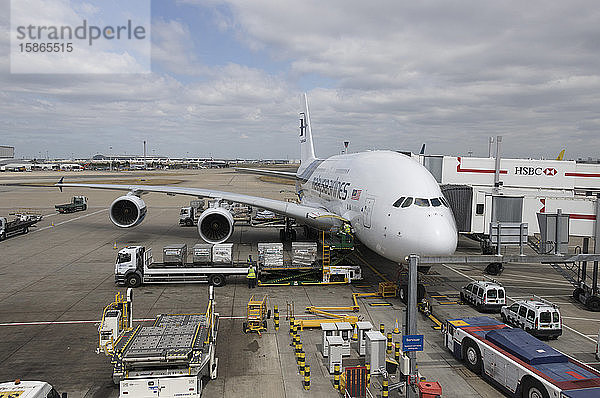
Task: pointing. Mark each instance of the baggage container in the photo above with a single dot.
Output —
(270, 255)
(175, 254)
(222, 254)
(202, 253)
(304, 254)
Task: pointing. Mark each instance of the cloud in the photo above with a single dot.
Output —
(439, 71)
(73, 23)
(390, 76)
(172, 48)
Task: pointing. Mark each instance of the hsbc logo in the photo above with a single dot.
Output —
(535, 171)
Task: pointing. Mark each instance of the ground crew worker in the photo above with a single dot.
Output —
(251, 277)
(347, 229)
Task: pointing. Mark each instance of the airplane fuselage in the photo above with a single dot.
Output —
(363, 188)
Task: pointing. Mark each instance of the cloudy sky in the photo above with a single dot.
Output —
(227, 77)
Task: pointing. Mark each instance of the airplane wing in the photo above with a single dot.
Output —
(314, 216)
(271, 173)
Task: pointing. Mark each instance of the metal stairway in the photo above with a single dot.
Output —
(569, 271)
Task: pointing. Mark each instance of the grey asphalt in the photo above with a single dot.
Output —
(62, 271)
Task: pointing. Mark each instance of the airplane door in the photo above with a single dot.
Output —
(368, 212)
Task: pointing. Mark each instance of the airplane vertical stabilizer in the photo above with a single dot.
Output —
(307, 149)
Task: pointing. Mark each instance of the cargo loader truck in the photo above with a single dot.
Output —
(78, 203)
(517, 362)
(212, 263)
(20, 225)
(174, 357)
(188, 215)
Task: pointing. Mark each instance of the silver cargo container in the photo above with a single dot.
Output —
(175, 254)
(270, 255)
(304, 254)
(222, 254)
(202, 253)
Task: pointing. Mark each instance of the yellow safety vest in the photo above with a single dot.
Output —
(251, 273)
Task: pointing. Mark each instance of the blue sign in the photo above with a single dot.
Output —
(412, 342)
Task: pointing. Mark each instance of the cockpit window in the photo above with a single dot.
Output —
(399, 202)
(407, 202)
(435, 202)
(444, 201)
(422, 202)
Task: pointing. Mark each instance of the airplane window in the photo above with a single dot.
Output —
(422, 202)
(435, 202)
(407, 202)
(444, 201)
(399, 202)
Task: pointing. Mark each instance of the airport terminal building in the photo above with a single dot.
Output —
(7, 152)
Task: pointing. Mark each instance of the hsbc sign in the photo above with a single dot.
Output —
(535, 171)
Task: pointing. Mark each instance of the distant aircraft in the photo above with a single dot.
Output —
(561, 155)
(392, 202)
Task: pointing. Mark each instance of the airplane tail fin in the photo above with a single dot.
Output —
(307, 149)
(561, 155)
(422, 151)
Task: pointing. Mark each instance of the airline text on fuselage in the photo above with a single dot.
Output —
(334, 188)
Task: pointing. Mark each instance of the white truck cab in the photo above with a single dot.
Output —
(130, 264)
(536, 316)
(484, 295)
(29, 389)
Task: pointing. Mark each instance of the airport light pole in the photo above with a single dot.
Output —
(411, 319)
(497, 182)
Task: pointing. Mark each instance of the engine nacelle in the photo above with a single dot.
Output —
(127, 211)
(215, 225)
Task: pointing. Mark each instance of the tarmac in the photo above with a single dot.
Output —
(55, 281)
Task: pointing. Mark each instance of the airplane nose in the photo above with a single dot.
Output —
(437, 236)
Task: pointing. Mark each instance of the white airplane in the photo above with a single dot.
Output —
(392, 202)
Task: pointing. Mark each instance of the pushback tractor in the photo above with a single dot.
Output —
(519, 363)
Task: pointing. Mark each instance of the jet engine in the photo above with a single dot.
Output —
(215, 225)
(127, 211)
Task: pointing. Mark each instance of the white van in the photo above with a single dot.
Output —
(537, 316)
(29, 389)
(484, 295)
